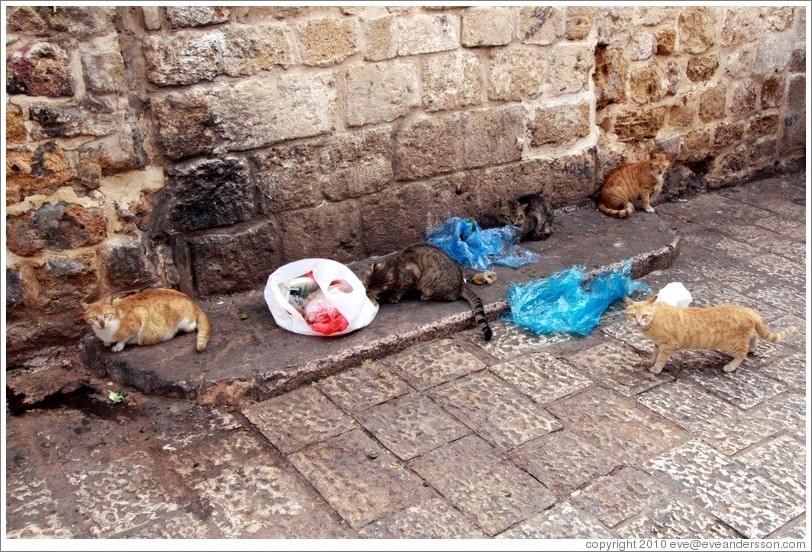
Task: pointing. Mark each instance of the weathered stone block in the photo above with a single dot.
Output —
(516, 73)
(578, 22)
(428, 146)
(357, 164)
(425, 33)
(796, 98)
(252, 48)
(184, 57)
(611, 69)
(772, 91)
(185, 123)
(42, 171)
(695, 146)
(772, 55)
(15, 126)
(152, 17)
(697, 29)
(712, 103)
(380, 92)
(672, 76)
(205, 194)
(730, 162)
(635, 125)
(727, 134)
(743, 99)
(763, 152)
(405, 207)
(487, 27)
(739, 63)
(702, 68)
(797, 63)
(570, 68)
(540, 25)
(763, 125)
(103, 66)
(642, 46)
(126, 265)
(329, 230)
(451, 81)
(491, 136)
(775, 18)
(15, 297)
(70, 20)
(289, 177)
(64, 282)
(793, 135)
(613, 24)
(215, 256)
(666, 40)
(560, 124)
(327, 40)
(195, 16)
(682, 114)
(646, 85)
(85, 119)
(381, 42)
(740, 25)
(42, 69)
(656, 15)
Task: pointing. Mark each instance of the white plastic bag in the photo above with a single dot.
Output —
(675, 294)
(354, 304)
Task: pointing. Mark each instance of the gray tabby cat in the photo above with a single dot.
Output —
(428, 270)
(531, 213)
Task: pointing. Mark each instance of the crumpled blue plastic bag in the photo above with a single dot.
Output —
(468, 244)
(563, 303)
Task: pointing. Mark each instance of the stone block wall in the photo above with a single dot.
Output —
(202, 147)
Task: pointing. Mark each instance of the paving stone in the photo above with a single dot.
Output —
(297, 419)
(619, 368)
(511, 341)
(435, 363)
(628, 334)
(788, 300)
(494, 409)
(787, 412)
(367, 385)
(541, 376)
(794, 530)
(782, 459)
(562, 521)
(746, 387)
(708, 294)
(430, 519)
(766, 241)
(412, 425)
(738, 278)
(260, 501)
(676, 519)
(745, 500)
(362, 482)
(614, 423)
(122, 494)
(566, 460)
(714, 420)
(619, 495)
(483, 485)
(780, 224)
(780, 269)
(797, 338)
(791, 370)
(180, 525)
(30, 508)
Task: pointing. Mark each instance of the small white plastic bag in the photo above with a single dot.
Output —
(350, 300)
(675, 294)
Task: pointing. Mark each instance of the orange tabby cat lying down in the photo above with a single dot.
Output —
(729, 328)
(146, 318)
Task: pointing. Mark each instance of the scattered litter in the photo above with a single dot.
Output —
(680, 200)
(564, 303)
(116, 397)
(471, 246)
(372, 455)
(243, 315)
(675, 294)
(483, 278)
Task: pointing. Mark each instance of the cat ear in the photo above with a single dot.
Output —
(627, 301)
(651, 299)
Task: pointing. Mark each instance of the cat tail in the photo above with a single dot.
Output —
(765, 333)
(619, 213)
(479, 312)
(203, 329)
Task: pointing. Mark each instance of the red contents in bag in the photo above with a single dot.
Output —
(323, 317)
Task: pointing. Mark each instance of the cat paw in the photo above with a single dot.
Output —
(655, 370)
(118, 347)
(650, 210)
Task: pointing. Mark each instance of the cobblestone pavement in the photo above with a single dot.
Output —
(520, 437)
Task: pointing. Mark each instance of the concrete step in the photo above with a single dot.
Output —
(251, 358)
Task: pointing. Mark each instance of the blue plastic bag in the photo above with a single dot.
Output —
(468, 244)
(564, 303)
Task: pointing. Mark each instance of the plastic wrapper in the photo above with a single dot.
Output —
(565, 303)
(464, 241)
(675, 294)
(318, 297)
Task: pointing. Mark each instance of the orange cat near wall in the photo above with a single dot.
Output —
(146, 318)
(631, 181)
(729, 328)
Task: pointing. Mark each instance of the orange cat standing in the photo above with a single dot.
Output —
(146, 318)
(631, 181)
(729, 328)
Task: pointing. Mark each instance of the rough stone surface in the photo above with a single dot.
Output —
(619, 496)
(678, 519)
(56, 227)
(380, 92)
(569, 69)
(702, 68)
(611, 69)
(646, 85)
(632, 126)
(425, 33)
(452, 81)
(43, 69)
(486, 27)
(578, 22)
(516, 72)
(561, 124)
(196, 16)
(562, 521)
(430, 519)
(696, 29)
(542, 377)
(540, 25)
(327, 40)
